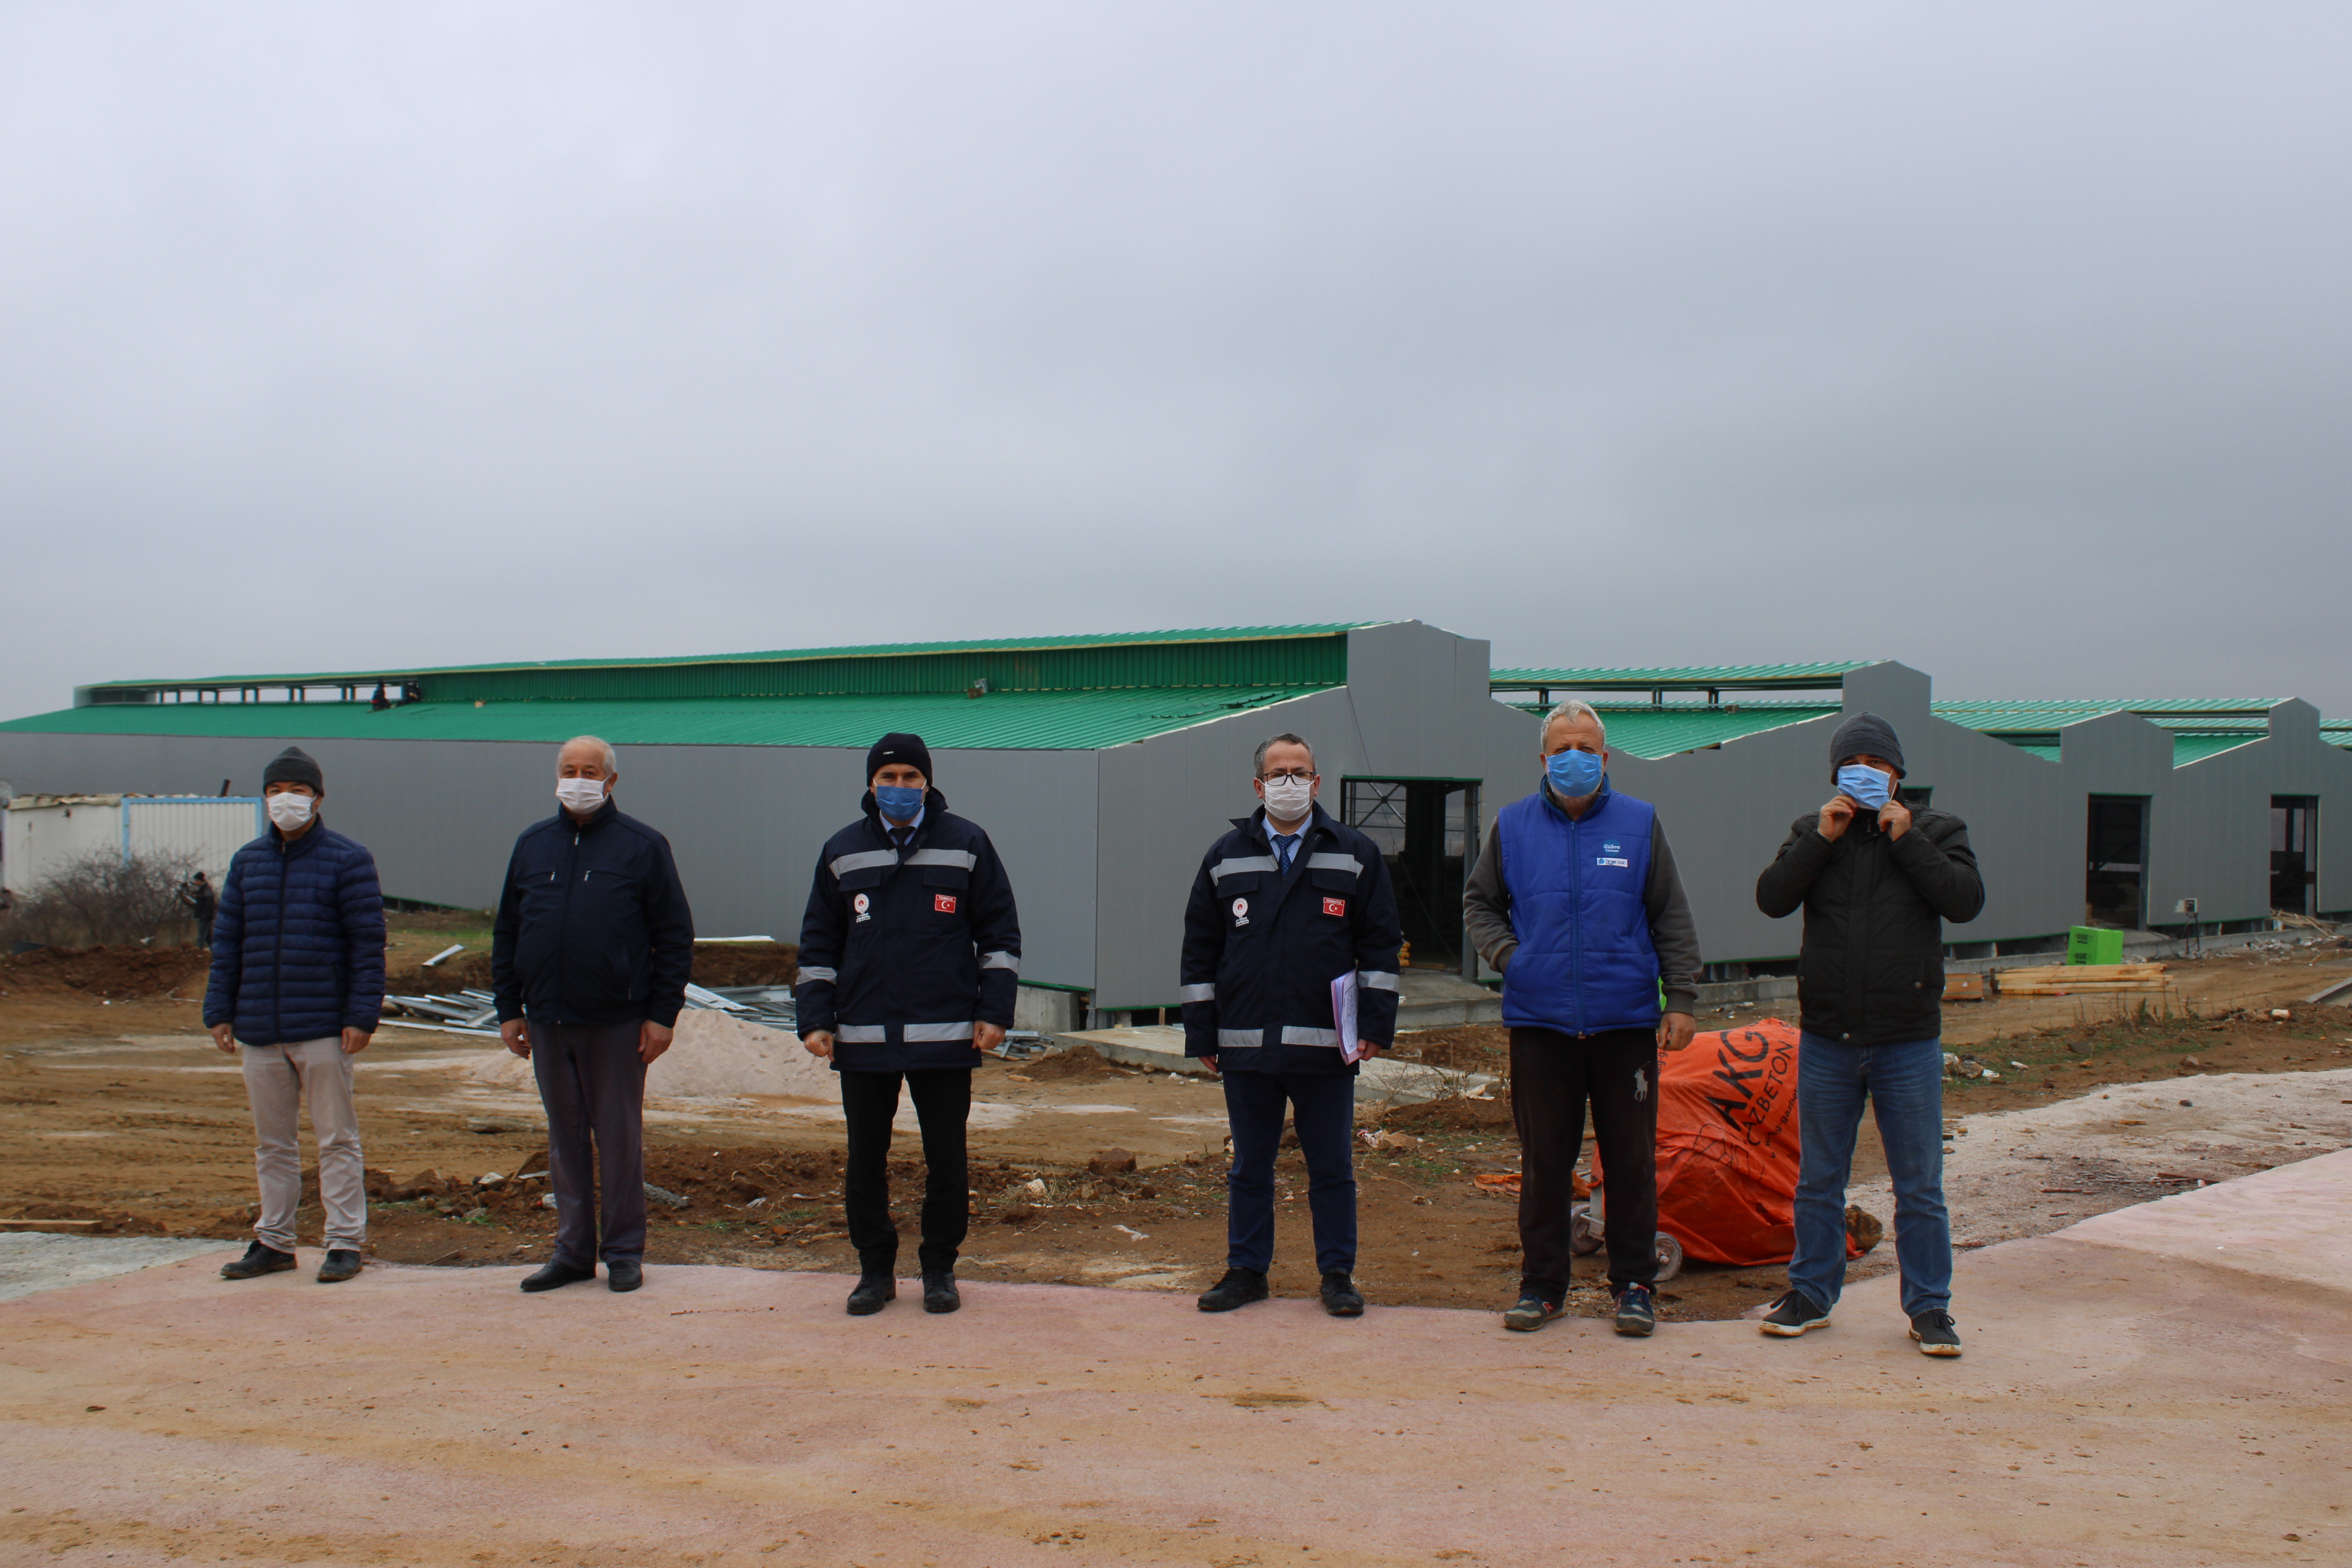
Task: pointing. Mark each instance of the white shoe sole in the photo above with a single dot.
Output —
(1785, 1331)
(1926, 1349)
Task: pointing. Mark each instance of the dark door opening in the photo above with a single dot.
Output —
(2295, 859)
(2112, 885)
(1424, 828)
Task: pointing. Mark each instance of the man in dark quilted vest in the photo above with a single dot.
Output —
(296, 986)
(1576, 900)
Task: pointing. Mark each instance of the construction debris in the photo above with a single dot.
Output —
(2082, 979)
(476, 1012)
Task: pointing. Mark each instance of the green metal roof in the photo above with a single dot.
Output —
(1685, 678)
(1652, 730)
(1005, 721)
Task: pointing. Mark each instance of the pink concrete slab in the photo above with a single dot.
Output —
(2116, 1406)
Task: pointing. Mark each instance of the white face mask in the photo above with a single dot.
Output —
(582, 795)
(1287, 800)
(287, 810)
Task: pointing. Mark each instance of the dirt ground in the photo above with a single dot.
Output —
(115, 1110)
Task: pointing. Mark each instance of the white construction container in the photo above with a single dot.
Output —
(41, 834)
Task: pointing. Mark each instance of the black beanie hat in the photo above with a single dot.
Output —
(898, 748)
(294, 765)
(1865, 732)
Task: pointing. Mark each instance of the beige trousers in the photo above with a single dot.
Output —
(278, 1078)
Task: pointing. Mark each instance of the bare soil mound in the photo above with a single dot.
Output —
(1473, 1048)
(1079, 1064)
(114, 974)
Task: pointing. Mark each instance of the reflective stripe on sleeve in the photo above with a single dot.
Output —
(1376, 980)
(925, 1034)
(1010, 960)
(1293, 1035)
(1330, 862)
(1244, 863)
(861, 1034)
(811, 972)
(1240, 1039)
(1198, 993)
(963, 858)
(863, 860)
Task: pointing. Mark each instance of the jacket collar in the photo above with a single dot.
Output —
(935, 806)
(604, 813)
(307, 842)
(1600, 801)
(1317, 821)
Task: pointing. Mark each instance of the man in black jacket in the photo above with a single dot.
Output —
(1287, 903)
(1877, 881)
(910, 957)
(594, 948)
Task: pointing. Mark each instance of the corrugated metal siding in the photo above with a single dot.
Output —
(1684, 675)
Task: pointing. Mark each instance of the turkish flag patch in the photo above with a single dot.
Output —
(943, 902)
(1336, 907)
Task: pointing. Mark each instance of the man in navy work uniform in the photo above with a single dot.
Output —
(298, 976)
(1877, 881)
(910, 954)
(1287, 902)
(1577, 902)
(589, 960)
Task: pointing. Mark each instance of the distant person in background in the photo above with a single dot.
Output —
(1877, 881)
(590, 960)
(196, 892)
(297, 981)
(910, 957)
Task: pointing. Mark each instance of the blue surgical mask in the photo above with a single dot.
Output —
(1869, 787)
(899, 802)
(1573, 774)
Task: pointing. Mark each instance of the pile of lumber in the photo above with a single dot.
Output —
(2082, 979)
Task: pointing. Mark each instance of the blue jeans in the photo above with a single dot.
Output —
(1905, 1085)
(1323, 1109)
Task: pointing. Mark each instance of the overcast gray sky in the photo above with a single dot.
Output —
(2008, 340)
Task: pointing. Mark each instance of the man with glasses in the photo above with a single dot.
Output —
(1284, 906)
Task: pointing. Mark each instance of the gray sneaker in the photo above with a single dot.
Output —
(1792, 1314)
(1935, 1334)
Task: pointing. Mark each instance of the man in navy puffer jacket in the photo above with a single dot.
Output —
(297, 979)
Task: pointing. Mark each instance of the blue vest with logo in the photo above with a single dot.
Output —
(1585, 962)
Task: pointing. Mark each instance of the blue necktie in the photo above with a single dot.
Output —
(1284, 846)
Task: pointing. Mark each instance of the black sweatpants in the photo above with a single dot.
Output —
(1553, 1076)
(943, 1098)
(592, 1082)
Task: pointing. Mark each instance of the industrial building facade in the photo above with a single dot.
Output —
(1102, 766)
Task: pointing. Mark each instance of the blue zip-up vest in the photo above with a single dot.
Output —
(1585, 962)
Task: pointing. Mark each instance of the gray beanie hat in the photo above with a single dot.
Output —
(294, 765)
(1865, 732)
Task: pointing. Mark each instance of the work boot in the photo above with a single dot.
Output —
(259, 1258)
(939, 1293)
(871, 1292)
(1340, 1297)
(1792, 1314)
(1239, 1287)
(554, 1276)
(1935, 1333)
(624, 1273)
(1637, 1314)
(342, 1263)
(1533, 1311)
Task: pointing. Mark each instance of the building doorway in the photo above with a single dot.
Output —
(1427, 831)
(2114, 884)
(2295, 859)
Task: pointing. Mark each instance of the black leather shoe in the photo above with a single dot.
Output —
(257, 1260)
(939, 1293)
(873, 1290)
(343, 1262)
(1239, 1287)
(624, 1273)
(555, 1276)
(1340, 1297)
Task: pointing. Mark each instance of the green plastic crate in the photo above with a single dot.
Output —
(2094, 944)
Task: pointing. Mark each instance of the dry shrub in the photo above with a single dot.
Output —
(103, 899)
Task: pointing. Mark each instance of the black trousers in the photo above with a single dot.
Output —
(943, 1098)
(592, 1083)
(1553, 1076)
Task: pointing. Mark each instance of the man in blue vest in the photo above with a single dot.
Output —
(1577, 902)
(1286, 905)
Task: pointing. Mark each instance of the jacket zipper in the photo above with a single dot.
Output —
(277, 971)
(1575, 919)
(563, 924)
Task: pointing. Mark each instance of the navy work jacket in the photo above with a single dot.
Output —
(902, 954)
(593, 926)
(297, 943)
(1261, 950)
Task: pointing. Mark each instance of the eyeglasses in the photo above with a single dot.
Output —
(1295, 774)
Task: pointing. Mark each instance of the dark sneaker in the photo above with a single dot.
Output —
(1792, 1314)
(1239, 1287)
(258, 1259)
(342, 1263)
(1935, 1334)
(624, 1273)
(554, 1276)
(1532, 1312)
(939, 1293)
(872, 1290)
(1637, 1313)
(1340, 1297)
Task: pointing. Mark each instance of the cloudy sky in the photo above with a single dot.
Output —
(2013, 342)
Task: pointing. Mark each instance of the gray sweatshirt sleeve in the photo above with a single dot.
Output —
(1487, 908)
(1673, 932)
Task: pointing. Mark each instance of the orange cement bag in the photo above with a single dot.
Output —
(1728, 1145)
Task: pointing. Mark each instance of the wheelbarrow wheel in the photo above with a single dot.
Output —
(1670, 1257)
(1583, 1231)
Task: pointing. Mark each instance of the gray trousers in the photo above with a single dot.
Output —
(592, 1084)
(278, 1078)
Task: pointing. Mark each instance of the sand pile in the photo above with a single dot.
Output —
(713, 1054)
